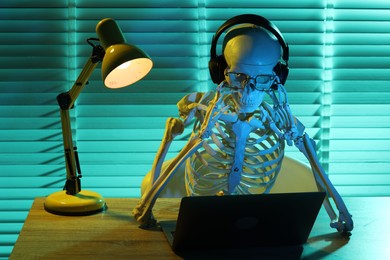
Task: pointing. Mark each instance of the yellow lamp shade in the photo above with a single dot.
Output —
(124, 64)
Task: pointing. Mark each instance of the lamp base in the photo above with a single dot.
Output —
(83, 203)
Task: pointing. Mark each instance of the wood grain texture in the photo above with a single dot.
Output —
(114, 234)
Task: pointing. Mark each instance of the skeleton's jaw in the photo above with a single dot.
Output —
(247, 103)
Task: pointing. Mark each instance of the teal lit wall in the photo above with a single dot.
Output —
(338, 87)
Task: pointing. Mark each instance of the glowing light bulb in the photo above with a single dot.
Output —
(124, 66)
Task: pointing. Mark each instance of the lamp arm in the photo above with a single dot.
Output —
(66, 102)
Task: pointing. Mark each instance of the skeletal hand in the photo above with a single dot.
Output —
(344, 223)
(144, 217)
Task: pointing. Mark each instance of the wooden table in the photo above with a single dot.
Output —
(114, 234)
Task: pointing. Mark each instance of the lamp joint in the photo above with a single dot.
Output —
(73, 186)
(64, 100)
(97, 54)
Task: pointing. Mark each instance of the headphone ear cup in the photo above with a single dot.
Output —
(217, 68)
(281, 70)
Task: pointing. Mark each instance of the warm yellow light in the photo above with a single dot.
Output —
(128, 73)
(124, 65)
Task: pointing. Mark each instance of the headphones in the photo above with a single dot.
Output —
(217, 63)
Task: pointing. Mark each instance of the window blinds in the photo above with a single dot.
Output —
(34, 54)
(338, 87)
(359, 71)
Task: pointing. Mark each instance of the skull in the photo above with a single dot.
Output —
(251, 53)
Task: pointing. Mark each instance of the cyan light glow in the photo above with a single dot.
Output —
(181, 67)
(338, 87)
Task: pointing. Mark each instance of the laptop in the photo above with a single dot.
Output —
(237, 221)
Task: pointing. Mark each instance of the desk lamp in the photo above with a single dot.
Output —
(122, 65)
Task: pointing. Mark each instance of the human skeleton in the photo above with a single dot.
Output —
(237, 143)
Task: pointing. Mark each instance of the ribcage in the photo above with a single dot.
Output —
(208, 169)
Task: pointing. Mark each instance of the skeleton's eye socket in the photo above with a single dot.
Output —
(239, 77)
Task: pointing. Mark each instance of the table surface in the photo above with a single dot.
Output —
(114, 234)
